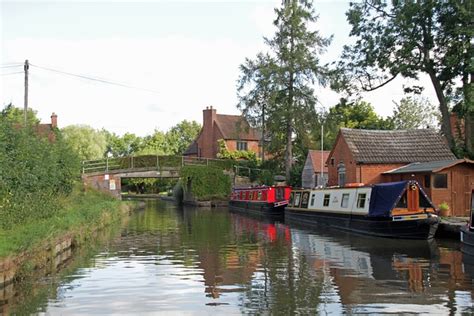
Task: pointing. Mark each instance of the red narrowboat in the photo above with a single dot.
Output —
(264, 199)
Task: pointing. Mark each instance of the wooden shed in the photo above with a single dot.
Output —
(311, 175)
(450, 181)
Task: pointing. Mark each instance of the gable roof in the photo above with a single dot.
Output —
(429, 167)
(236, 127)
(192, 149)
(315, 156)
(396, 146)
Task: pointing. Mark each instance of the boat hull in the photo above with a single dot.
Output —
(467, 241)
(381, 227)
(267, 208)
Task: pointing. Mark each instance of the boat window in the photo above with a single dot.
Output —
(472, 210)
(427, 181)
(264, 195)
(292, 196)
(260, 195)
(305, 200)
(326, 199)
(297, 199)
(345, 200)
(313, 197)
(361, 198)
(279, 194)
(402, 203)
(440, 181)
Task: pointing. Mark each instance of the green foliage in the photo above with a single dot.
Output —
(121, 146)
(224, 153)
(180, 136)
(87, 142)
(267, 177)
(34, 173)
(413, 113)
(409, 38)
(15, 115)
(206, 182)
(279, 86)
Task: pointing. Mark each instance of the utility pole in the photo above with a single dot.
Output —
(26, 67)
(263, 132)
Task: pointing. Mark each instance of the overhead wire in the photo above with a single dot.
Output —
(12, 73)
(93, 79)
(10, 65)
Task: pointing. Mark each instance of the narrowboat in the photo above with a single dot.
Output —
(261, 199)
(394, 210)
(467, 232)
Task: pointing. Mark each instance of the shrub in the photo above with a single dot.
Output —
(206, 182)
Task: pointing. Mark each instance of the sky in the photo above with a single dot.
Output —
(180, 56)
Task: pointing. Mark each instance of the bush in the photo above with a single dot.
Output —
(33, 174)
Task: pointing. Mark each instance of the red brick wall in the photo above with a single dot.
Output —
(206, 146)
(342, 153)
(372, 173)
(252, 145)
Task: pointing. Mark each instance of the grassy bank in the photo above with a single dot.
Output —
(78, 214)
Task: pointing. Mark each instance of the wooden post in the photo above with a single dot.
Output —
(26, 67)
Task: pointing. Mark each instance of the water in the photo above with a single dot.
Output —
(200, 261)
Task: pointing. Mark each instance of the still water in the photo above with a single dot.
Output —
(177, 260)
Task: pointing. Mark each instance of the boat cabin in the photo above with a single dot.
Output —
(379, 200)
(269, 194)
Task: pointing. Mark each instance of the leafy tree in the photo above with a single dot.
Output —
(155, 144)
(180, 136)
(87, 142)
(282, 80)
(122, 146)
(16, 115)
(409, 38)
(411, 113)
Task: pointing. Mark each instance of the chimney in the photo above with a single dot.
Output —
(209, 117)
(54, 120)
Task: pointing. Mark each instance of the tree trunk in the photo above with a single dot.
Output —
(443, 107)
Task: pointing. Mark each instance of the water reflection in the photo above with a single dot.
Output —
(199, 261)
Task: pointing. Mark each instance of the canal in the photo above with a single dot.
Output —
(180, 260)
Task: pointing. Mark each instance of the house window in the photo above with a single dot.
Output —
(345, 200)
(326, 199)
(241, 145)
(361, 197)
(341, 174)
(440, 181)
(427, 181)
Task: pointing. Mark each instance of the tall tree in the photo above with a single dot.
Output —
(180, 136)
(282, 79)
(408, 38)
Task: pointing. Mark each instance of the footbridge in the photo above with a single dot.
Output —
(106, 174)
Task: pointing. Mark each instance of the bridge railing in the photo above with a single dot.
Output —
(147, 162)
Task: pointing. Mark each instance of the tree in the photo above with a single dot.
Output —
(180, 136)
(155, 144)
(278, 85)
(16, 115)
(408, 38)
(87, 142)
(122, 146)
(411, 113)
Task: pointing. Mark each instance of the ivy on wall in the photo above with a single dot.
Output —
(206, 183)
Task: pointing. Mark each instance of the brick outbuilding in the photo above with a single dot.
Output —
(375, 156)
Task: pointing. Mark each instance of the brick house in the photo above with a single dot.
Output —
(311, 175)
(374, 156)
(233, 129)
(47, 130)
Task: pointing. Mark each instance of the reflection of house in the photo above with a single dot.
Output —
(373, 156)
(233, 129)
(311, 175)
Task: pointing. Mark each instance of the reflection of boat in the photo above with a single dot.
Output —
(467, 232)
(395, 210)
(264, 199)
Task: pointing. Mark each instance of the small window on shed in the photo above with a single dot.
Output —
(440, 181)
(361, 197)
(427, 181)
(326, 199)
(345, 200)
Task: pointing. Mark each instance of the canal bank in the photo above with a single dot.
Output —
(45, 244)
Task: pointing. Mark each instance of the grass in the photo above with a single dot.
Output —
(80, 212)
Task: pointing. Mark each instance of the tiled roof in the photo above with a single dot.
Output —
(396, 146)
(431, 166)
(316, 160)
(236, 127)
(192, 149)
